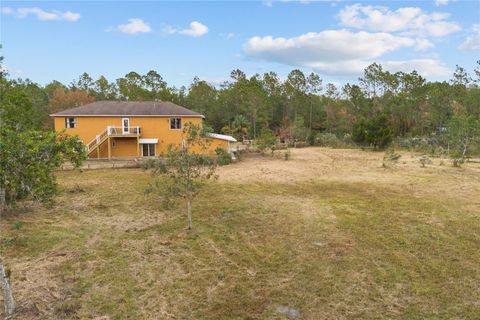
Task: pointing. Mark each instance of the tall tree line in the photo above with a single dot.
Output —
(295, 106)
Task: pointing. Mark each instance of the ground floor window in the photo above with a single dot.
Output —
(148, 150)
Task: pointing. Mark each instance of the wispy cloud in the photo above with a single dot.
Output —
(134, 26)
(41, 14)
(439, 3)
(197, 29)
(472, 42)
(227, 36)
(407, 20)
(269, 3)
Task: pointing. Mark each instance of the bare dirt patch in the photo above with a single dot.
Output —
(357, 166)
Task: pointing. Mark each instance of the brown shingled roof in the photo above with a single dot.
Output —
(128, 108)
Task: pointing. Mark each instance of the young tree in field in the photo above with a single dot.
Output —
(184, 170)
(462, 133)
(266, 140)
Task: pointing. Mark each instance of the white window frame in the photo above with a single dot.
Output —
(123, 126)
(68, 124)
(180, 122)
(149, 146)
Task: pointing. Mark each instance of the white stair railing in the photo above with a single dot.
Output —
(111, 131)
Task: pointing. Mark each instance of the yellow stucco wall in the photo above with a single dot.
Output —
(217, 143)
(87, 128)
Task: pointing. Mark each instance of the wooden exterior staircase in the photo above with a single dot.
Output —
(112, 132)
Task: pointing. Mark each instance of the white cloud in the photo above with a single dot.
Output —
(342, 52)
(227, 36)
(42, 15)
(267, 3)
(134, 26)
(215, 81)
(423, 44)
(439, 3)
(408, 20)
(328, 45)
(472, 42)
(7, 10)
(426, 67)
(197, 29)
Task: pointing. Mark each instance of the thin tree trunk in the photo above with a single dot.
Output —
(7, 292)
(189, 212)
(3, 202)
(311, 111)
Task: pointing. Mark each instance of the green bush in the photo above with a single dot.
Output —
(374, 132)
(311, 139)
(223, 157)
(266, 140)
(327, 139)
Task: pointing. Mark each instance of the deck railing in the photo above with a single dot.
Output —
(99, 138)
(112, 131)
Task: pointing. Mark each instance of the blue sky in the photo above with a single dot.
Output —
(337, 39)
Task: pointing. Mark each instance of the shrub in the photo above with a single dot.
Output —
(429, 145)
(462, 134)
(223, 157)
(390, 155)
(311, 139)
(266, 140)
(347, 139)
(374, 132)
(424, 160)
(327, 139)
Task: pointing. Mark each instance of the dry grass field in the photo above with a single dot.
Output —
(330, 233)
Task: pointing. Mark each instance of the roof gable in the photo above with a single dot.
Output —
(128, 108)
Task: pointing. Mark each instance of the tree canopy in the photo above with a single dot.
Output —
(294, 108)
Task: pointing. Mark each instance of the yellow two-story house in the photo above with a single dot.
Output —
(119, 129)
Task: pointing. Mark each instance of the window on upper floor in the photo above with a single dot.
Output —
(175, 123)
(70, 122)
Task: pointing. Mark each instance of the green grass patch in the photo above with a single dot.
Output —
(327, 249)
